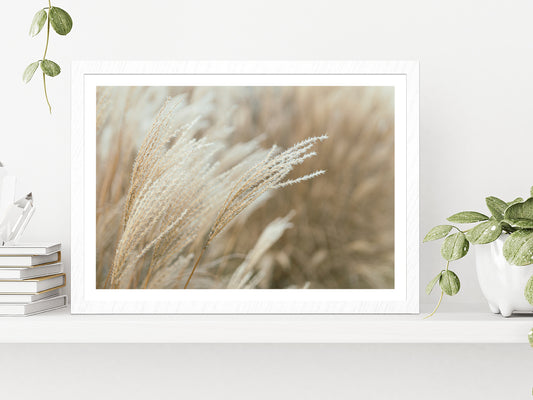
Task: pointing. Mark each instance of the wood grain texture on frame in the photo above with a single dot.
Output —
(402, 299)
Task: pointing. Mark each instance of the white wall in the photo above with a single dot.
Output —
(476, 59)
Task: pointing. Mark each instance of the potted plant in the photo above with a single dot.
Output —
(504, 266)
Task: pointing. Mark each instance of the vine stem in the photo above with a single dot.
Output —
(438, 305)
(440, 299)
(46, 94)
(44, 55)
(459, 230)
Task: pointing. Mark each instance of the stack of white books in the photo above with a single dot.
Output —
(31, 278)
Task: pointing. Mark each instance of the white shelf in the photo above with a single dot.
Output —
(474, 326)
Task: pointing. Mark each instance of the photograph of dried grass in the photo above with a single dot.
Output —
(245, 187)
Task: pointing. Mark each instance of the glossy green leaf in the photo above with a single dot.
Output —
(507, 228)
(466, 217)
(485, 232)
(520, 215)
(455, 247)
(518, 248)
(449, 283)
(496, 207)
(38, 22)
(528, 293)
(438, 232)
(29, 71)
(50, 68)
(522, 210)
(517, 200)
(520, 223)
(60, 20)
(530, 334)
(432, 284)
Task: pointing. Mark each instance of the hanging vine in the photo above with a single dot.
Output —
(61, 21)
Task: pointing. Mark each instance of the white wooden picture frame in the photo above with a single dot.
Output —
(403, 298)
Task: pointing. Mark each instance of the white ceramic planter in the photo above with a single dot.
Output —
(502, 284)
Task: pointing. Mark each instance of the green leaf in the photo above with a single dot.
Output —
(528, 293)
(520, 214)
(50, 68)
(455, 247)
(60, 20)
(438, 232)
(496, 207)
(449, 283)
(518, 248)
(467, 217)
(520, 223)
(38, 22)
(531, 191)
(29, 71)
(517, 200)
(507, 228)
(530, 337)
(520, 210)
(432, 284)
(485, 232)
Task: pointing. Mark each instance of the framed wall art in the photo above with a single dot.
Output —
(245, 187)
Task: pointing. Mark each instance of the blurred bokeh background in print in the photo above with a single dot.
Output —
(335, 231)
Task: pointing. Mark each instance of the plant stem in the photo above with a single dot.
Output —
(44, 55)
(440, 299)
(46, 94)
(47, 30)
(150, 267)
(461, 230)
(107, 277)
(195, 265)
(438, 305)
